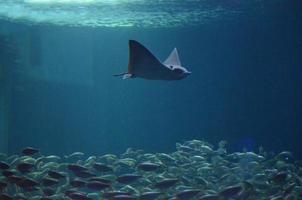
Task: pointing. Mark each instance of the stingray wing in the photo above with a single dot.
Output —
(173, 58)
(142, 62)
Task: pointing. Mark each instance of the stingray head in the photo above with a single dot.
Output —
(174, 64)
(178, 72)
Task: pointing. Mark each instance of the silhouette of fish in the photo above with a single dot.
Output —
(143, 64)
(190, 172)
(29, 151)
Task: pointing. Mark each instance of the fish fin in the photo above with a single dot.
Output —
(141, 59)
(173, 58)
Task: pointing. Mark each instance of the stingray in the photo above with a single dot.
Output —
(143, 64)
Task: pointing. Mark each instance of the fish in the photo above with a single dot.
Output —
(24, 167)
(100, 179)
(288, 189)
(100, 167)
(75, 154)
(76, 168)
(111, 194)
(132, 189)
(48, 191)
(29, 151)
(46, 198)
(49, 165)
(166, 183)
(187, 194)
(27, 183)
(279, 197)
(230, 191)
(148, 166)
(143, 64)
(149, 195)
(84, 174)
(209, 197)
(55, 174)
(4, 165)
(127, 178)
(124, 197)
(13, 179)
(284, 155)
(19, 197)
(96, 185)
(77, 183)
(193, 171)
(94, 195)
(127, 162)
(69, 191)
(166, 158)
(279, 177)
(78, 196)
(46, 181)
(51, 158)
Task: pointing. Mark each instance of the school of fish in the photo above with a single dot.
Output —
(195, 171)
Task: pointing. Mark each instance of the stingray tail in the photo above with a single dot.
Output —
(125, 75)
(121, 74)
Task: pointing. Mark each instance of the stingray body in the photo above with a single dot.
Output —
(143, 64)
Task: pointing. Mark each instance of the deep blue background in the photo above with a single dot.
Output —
(245, 88)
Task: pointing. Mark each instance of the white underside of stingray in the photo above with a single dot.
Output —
(143, 64)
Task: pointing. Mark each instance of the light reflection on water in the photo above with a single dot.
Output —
(119, 13)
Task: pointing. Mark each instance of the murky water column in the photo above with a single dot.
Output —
(4, 108)
(3, 120)
(8, 53)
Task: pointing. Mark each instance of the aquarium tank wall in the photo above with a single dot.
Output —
(59, 95)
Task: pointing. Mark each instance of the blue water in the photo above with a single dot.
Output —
(245, 86)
